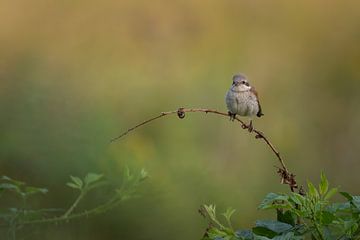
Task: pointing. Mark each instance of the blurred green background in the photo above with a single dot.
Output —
(74, 74)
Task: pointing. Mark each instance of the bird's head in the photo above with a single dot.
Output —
(240, 83)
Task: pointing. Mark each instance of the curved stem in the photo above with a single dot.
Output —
(286, 177)
(74, 205)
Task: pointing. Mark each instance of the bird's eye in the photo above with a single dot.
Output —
(243, 82)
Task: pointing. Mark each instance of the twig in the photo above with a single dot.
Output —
(97, 210)
(286, 177)
(74, 205)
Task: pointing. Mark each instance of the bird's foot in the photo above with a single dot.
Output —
(232, 116)
(250, 127)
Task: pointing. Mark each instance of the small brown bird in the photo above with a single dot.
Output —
(242, 99)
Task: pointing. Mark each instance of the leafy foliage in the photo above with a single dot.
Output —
(17, 217)
(19, 188)
(306, 216)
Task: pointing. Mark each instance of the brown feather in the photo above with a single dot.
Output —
(259, 113)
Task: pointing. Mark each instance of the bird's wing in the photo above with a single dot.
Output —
(259, 113)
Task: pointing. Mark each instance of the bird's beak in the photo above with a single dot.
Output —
(247, 84)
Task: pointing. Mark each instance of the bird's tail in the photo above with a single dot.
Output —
(259, 114)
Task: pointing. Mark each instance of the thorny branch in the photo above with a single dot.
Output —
(286, 177)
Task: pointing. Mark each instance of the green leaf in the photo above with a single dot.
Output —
(92, 177)
(324, 184)
(127, 174)
(8, 186)
(350, 226)
(11, 187)
(333, 208)
(347, 196)
(273, 200)
(244, 234)
(331, 193)
(275, 226)
(72, 185)
(257, 237)
(327, 218)
(34, 190)
(297, 199)
(263, 231)
(356, 201)
(229, 212)
(14, 210)
(286, 217)
(13, 181)
(143, 174)
(288, 236)
(313, 192)
(217, 234)
(77, 181)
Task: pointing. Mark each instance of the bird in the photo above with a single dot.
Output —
(242, 99)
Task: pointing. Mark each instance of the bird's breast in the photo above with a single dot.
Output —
(242, 103)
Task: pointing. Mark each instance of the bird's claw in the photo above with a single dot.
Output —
(232, 116)
(249, 127)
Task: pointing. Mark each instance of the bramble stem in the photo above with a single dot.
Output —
(286, 177)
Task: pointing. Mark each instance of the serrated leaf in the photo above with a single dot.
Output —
(275, 226)
(324, 184)
(92, 177)
(77, 181)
